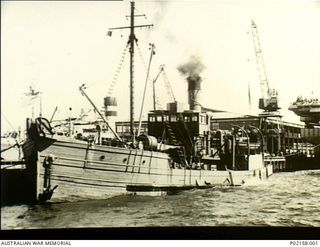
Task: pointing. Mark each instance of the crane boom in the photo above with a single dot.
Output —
(166, 83)
(269, 100)
(260, 63)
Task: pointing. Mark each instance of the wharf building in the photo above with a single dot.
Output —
(280, 137)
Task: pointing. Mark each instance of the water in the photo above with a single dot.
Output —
(286, 199)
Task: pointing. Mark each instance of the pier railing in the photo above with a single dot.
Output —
(278, 162)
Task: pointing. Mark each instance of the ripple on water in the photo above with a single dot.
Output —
(286, 199)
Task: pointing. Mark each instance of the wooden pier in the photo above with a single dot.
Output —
(278, 162)
(293, 142)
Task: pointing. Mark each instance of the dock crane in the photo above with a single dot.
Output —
(166, 83)
(269, 100)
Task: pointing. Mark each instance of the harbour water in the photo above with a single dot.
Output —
(286, 199)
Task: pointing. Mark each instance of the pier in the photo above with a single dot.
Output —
(18, 182)
(294, 142)
(279, 136)
(19, 177)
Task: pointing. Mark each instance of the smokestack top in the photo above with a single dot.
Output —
(191, 70)
(194, 77)
(194, 82)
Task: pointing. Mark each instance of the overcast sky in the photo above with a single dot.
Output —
(57, 46)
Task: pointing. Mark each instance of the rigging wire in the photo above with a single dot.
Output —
(8, 122)
(116, 74)
(158, 104)
(145, 87)
(141, 57)
(118, 70)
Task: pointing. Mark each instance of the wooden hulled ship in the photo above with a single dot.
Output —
(202, 159)
(180, 152)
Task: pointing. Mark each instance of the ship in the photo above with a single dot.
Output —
(180, 152)
(308, 110)
(308, 155)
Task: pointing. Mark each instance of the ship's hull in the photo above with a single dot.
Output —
(88, 171)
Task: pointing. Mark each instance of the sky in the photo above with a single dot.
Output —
(57, 46)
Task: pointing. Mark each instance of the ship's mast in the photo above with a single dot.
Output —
(132, 39)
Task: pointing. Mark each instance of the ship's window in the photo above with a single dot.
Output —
(124, 160)
(165, 118)
(119, 129)
(186, 118)
(102, 157)
(152, 118)
(203, 119)
(159, 118)
(194, 118)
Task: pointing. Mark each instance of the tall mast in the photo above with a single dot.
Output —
(132, 39)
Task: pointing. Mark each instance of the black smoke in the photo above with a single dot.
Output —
(192, 68)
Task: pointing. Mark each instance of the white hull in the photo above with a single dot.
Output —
(84, 171)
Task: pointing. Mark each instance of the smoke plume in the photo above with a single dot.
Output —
(191, 68)
(160, 13)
